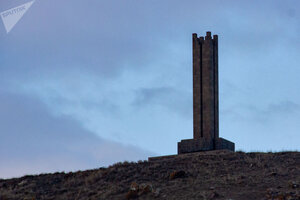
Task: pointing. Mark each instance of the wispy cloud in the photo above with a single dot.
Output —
(176, 101)
(284, 107)
(34, 141)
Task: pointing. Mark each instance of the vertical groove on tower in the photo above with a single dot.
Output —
(214, 88)
(201, 40)
(196, 87)
(216, 84)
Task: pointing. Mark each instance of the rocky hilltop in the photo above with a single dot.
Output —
(203, 175)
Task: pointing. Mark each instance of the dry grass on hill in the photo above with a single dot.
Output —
(203, 175)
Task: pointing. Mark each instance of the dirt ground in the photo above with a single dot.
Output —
(203, 175)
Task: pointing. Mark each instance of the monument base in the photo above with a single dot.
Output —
(195, 145)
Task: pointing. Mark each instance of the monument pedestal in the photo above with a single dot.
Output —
(202, 144)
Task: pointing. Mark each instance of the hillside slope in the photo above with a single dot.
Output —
(203, 175)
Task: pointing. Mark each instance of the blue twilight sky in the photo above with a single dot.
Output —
(84, 84)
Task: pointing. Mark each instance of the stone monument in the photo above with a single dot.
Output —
(205, 98)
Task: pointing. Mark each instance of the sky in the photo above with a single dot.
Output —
(85, 84)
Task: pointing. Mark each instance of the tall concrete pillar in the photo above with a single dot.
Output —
(205, 98)
(205, 86)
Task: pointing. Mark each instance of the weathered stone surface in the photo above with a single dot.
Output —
(195, 145)
(221, 143)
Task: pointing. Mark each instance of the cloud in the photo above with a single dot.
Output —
(33, 141)
(174, 100)
(260, 113)
(285, 107)
(273, 126)
(123, 69)
(274, 111)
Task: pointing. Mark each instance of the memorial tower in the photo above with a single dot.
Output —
(205, 98)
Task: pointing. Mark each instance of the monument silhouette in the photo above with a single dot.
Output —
(205, 98)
